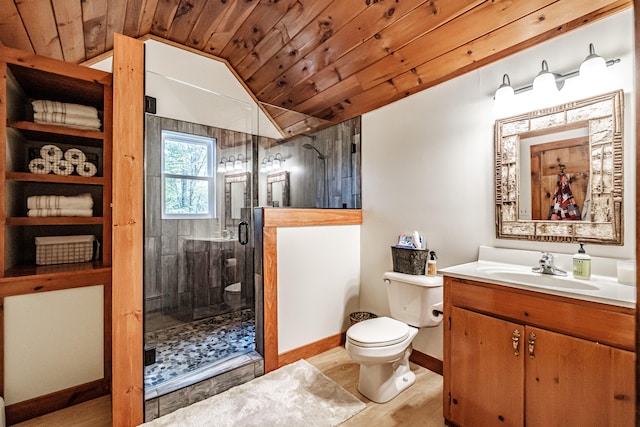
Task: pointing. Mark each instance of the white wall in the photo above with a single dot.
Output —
(427, 162)
(318, 282)
(197, 89)
(53, 341)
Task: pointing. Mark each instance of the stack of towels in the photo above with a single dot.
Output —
(65, 114)
(52, 159)
(41, 206)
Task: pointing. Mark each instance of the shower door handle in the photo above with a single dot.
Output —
(243, 227)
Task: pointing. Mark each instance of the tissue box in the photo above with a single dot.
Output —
(65, 249)
(409, 261)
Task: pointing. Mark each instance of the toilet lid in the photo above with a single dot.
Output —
(378, 331)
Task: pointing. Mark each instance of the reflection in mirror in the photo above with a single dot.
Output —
(278, 189)
(236, 197)
(559, 173)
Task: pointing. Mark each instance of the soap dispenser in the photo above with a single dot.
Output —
(432, 268)
(581, 264)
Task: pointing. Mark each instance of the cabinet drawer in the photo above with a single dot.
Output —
(602, 323)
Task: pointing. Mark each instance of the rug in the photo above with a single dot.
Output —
(294, 395)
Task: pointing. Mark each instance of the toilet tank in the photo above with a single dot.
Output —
(411, 297)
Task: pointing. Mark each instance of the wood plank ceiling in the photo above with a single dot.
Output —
(312, 63)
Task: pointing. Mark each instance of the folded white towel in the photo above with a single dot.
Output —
(59, 212)
(75, 156)
(67, 120)
(82, 201)
(51, 153)
(45, 106)
(86, 169)
(39, 166)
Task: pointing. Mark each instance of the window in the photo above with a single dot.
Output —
(188, 176)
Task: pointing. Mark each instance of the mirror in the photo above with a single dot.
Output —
(559, 172)
(278, 189)
(236, 197)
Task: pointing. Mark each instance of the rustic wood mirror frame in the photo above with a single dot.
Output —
(278, 177)
(603, 116)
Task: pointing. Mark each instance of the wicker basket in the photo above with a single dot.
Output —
(359, 316)
(65, 249)
(409, 261)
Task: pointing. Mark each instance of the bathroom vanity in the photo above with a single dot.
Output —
(517, 352)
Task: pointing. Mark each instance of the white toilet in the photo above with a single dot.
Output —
(382, 345)
(233, 295)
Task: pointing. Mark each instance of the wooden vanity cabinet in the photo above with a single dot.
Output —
(514, 357)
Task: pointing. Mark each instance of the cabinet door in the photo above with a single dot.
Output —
(487, 373)
(574, 382)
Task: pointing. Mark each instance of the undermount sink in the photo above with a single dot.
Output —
(527, 276)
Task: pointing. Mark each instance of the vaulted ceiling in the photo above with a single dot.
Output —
(311, 63)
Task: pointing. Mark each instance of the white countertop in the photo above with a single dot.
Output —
(513, 268)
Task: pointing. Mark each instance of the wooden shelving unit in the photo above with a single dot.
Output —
(26, 77)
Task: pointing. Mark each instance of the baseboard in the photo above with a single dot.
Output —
(426, 361)
(311, 349)
(46, 404)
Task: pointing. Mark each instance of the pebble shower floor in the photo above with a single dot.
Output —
(185, 348)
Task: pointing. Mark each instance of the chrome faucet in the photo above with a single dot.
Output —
(546, 266)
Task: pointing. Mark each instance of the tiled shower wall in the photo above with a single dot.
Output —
(170, 248)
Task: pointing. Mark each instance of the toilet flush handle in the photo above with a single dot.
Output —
(387, 281)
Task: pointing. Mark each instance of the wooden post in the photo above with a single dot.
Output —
(128, 196)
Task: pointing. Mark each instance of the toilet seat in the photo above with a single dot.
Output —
(378, 332)
(234, 288)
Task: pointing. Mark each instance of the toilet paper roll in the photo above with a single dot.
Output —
(51, 153)
(75, 156)
(39, 166)
(62, 167)
(86, 169)
(436, 312)
(231, 262)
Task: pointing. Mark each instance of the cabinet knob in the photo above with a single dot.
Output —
(516, 342)
(532, 343)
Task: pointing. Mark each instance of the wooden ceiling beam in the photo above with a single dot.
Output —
(229, 25)
(333, 19)
(185, 19)
(40, 24)
(311, 81)
(254, 29)
(94, 18)
(559, 18)
(289, 26)
(13, 31)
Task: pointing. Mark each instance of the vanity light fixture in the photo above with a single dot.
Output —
(230, 162)
(546, 82)
(594, 67)
(273, 162)
(505, 91)
(222, 168)
(549, 82)
(277, 161)
(239, 163)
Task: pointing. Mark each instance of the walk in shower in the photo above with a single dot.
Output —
(210, 160)
(200, 190)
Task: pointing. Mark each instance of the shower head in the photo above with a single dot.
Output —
(311, 147)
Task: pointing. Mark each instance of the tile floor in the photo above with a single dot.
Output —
(191, 347)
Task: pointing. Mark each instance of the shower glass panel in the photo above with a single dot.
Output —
(322, 168)
(199, 301)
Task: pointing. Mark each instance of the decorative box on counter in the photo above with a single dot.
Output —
(66, 249)
(409, 261)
